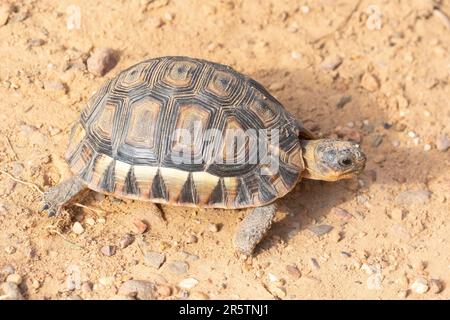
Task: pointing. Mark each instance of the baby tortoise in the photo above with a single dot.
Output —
(167, 130)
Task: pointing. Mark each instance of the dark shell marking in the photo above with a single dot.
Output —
(121, 145)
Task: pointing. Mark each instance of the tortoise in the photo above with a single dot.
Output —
(134, 140)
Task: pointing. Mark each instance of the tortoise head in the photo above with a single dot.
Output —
(332, 160)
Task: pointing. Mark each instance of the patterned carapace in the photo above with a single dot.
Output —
(124, 141)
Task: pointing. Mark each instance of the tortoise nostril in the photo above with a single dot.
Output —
(345, 162)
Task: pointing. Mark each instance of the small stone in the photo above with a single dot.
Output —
(370, 82)
(139, 289)
(436, 286)
(8, 269)
(420, 286)
(276, 86)
(330, 63)
(402, 102)
(86, 287)
(14, 278)
(188, 283)
(374, 281)
(379, 158)
(305, 9)
(191, 239)
(341, 214)
(126, 240)
(342, 102)
(90, 221)
(178, 267)
(108, 250)
(213, 227)
(163, 290)
(139, 226)
(77, 228)
(293, 271)
(411, 197)
(155, 22)
(35, 42)
(11, 291)
(427, 147)
(169, 16)
(295, 55)
(314, 263)
(442, 143)
(321, 229)
(101, 61)
(5, 11)
(55, 86)
(402, 294)
(398, 214)
(154, 259)
(10, 250)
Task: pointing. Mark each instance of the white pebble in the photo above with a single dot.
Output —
(77, 228)
(420, 286)
(188, 283)
(295, 55)
(411, 134)
(305, 9)
(427, 147)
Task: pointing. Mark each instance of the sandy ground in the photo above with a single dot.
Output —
(390, 230)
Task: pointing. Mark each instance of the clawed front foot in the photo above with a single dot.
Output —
(57, 196)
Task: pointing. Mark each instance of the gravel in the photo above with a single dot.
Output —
(139, 289)
(331, 63)
(101, 61)
(370, 82)
(77, 228)
(178, 267)
(126, 240)
(293, 271)
(442, 143)
(321, 229)
(154, 259)
(420, 286)
(108, 250)
(139, 226)
(11, 291)
(213, 227)
(188, 283)
(14, 278)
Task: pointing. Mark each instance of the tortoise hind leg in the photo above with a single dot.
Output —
(57, 196)
(253, 228)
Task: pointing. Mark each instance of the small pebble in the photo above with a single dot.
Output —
(436, 286)
(398, 214)
(77, 228)
(14, 278)
(101, 61)
(276, 86)
(314, 263)
(305, 9)
(55, 86)
(154, 259)
(321, 229)
(191, 239)
(11, 291)
(374, 281)
(379, 158)
(427, 147)
(108, 250)
(86, 287)
(139, 226)
(107, 281)
(293, 271)
(139, 289)
(370, 82)
(213, 227)
(295, 55)
(420, 286)
(90, 221)
(442, 143)
(10, 250)
(178, 267)
(277, 291)
(330, 63)
(163, 290)
(188, 283)
(126, 240)
(8, 269)
(341, 214)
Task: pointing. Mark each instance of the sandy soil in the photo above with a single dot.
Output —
(390, 241)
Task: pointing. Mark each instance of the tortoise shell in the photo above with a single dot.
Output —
(125, 139)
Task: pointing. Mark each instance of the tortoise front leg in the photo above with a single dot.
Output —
(57, 196)
(253, 228)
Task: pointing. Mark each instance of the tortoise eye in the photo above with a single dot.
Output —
(345, 162)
